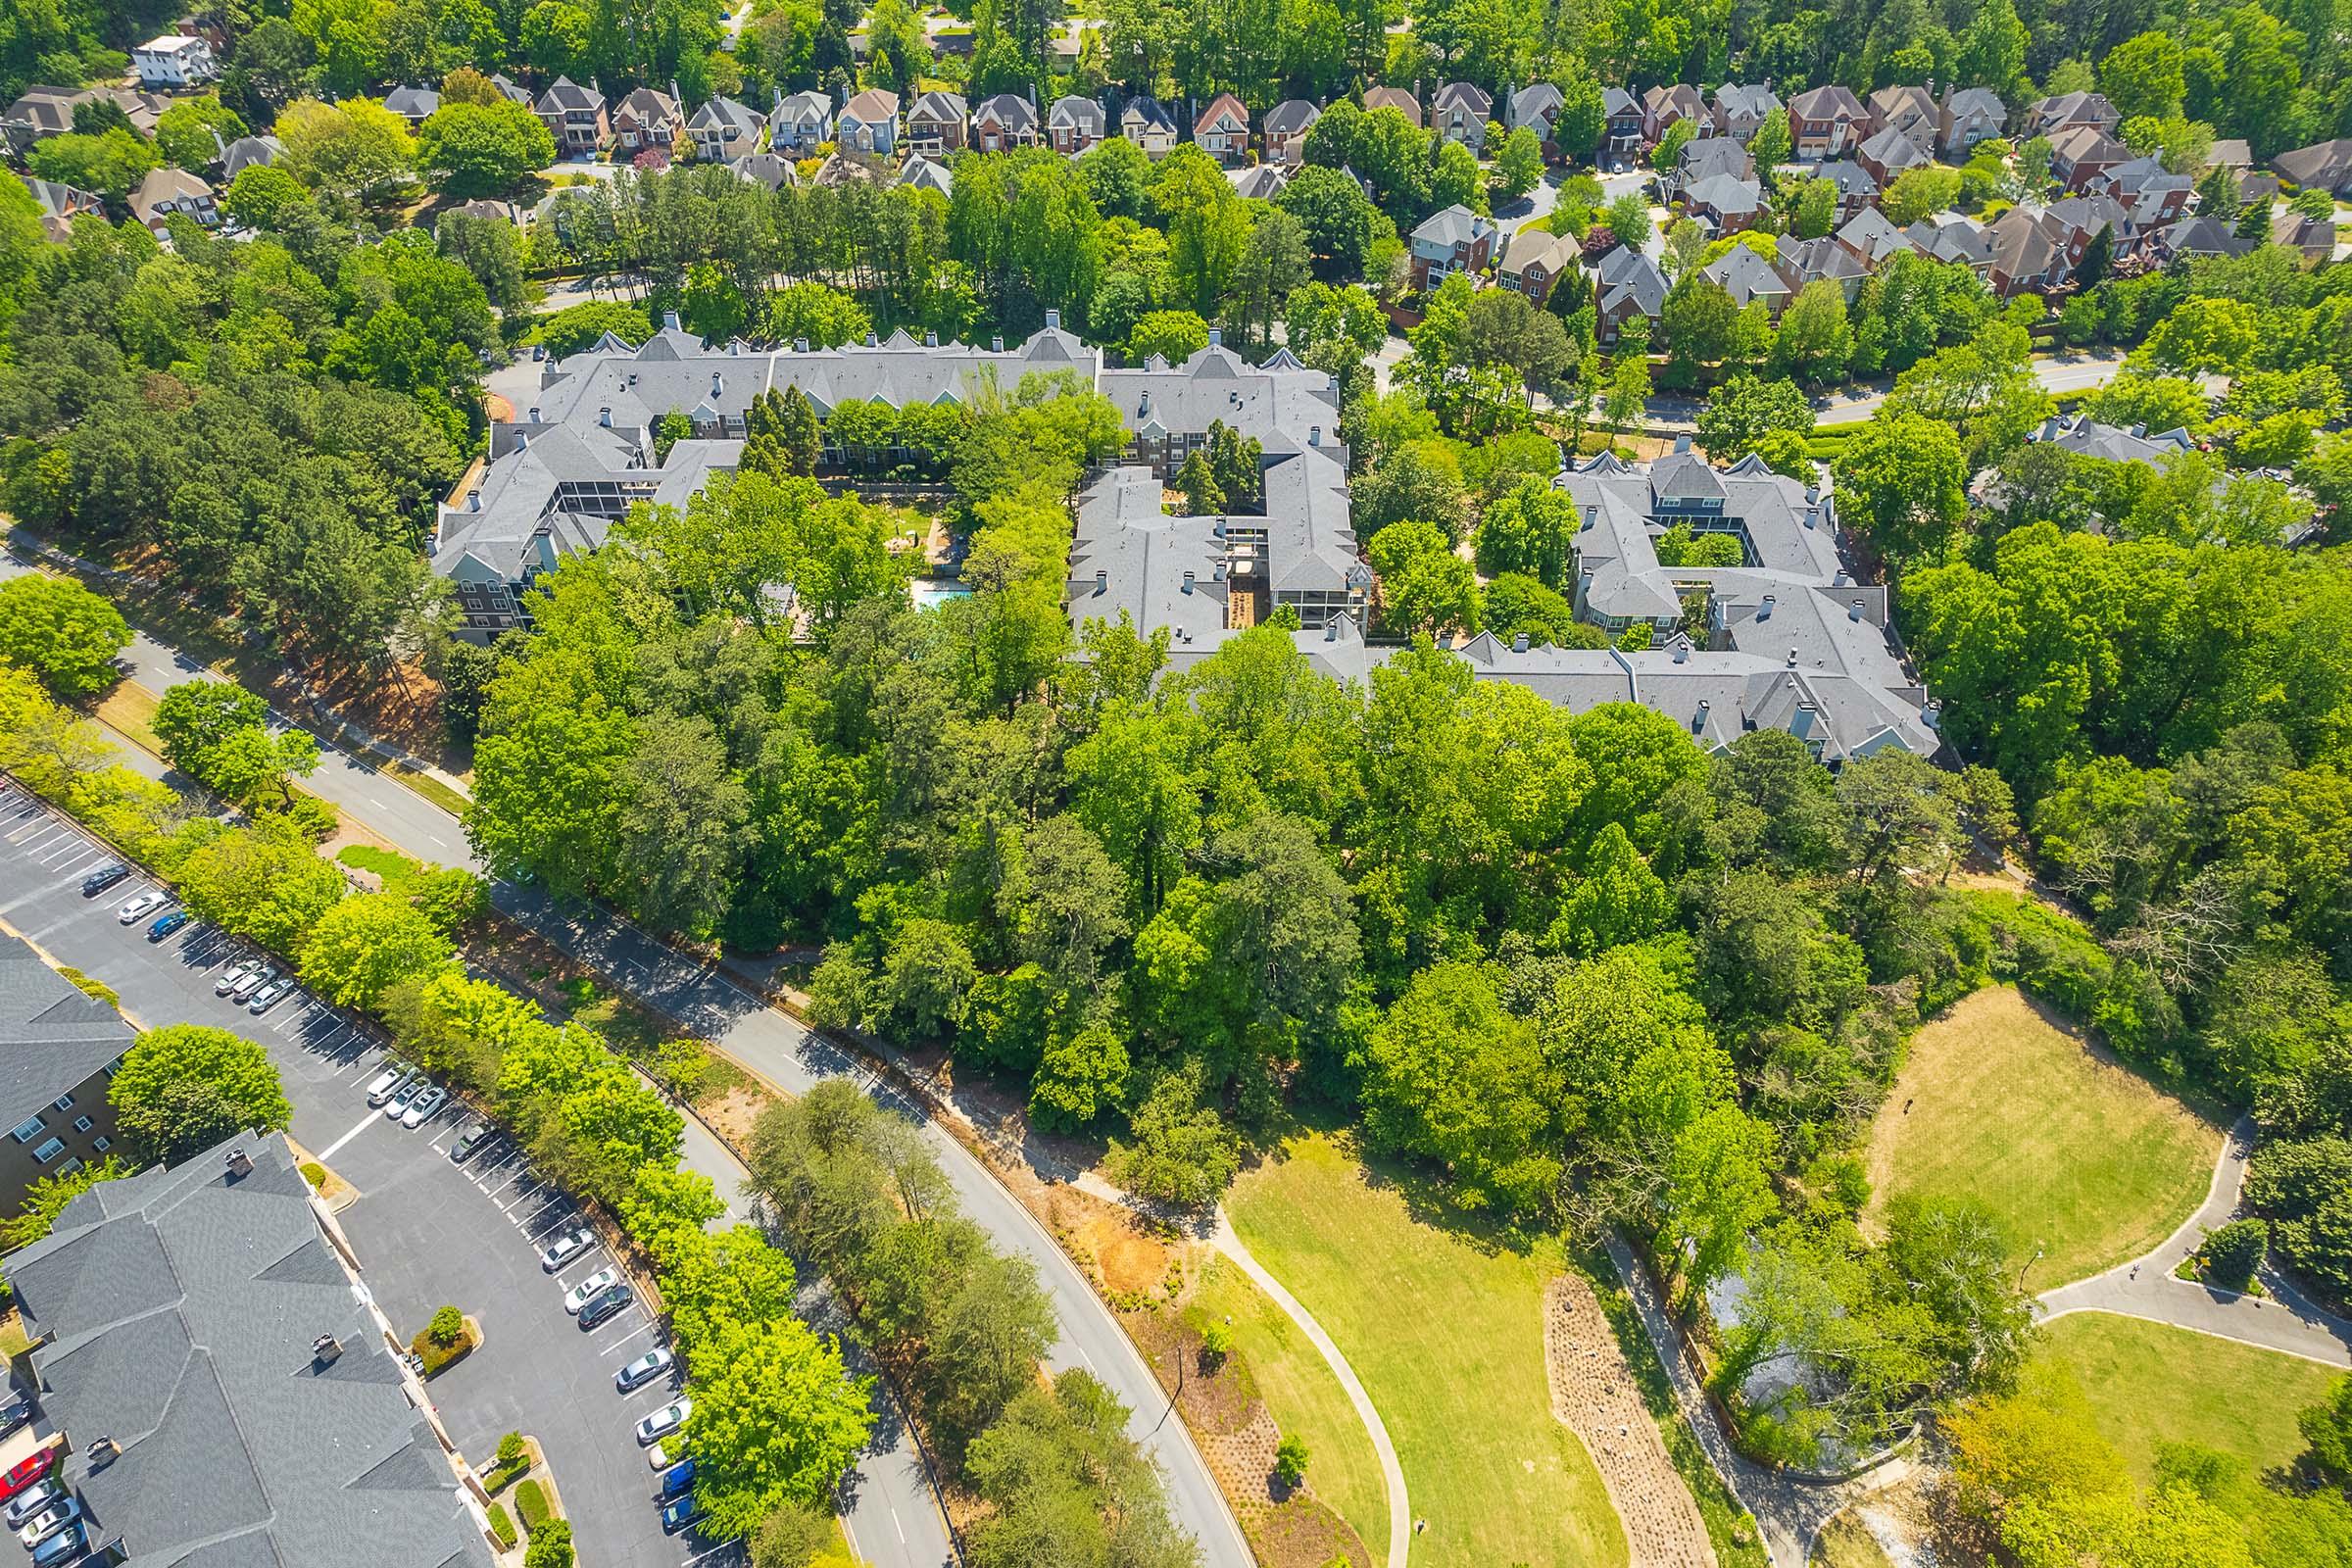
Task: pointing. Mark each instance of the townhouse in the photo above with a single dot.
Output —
(59, 1050)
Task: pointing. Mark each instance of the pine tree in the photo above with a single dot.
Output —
(797, 433)
(2254, 222)
(1203, 495)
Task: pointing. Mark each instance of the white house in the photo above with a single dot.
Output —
(174, 60)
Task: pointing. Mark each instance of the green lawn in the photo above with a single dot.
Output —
(1303, 1395)
(1447, 1335)
(2150, 1383)
(2077, 1156)
(391, 866)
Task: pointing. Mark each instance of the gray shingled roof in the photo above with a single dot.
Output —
(178, 1311)
(52, 1036)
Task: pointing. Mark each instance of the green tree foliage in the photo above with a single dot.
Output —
(218, 733)
(1068, 1484)
(1900, 484)
(1741, 412)
(50, 1193)
(191, 133)
(363, 946)
(1424, 586)
(265, 882)
(61, 632)
(776, 1420)
(183, 1088)
(1531, 531)
(470, 150)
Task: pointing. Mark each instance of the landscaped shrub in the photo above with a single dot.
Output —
(313, 1173)
(501, 1526)
(550, 1546)
(1290, 1460)
(1216, 1344)
(444, 1340)
(2235, 1251)
(446, 1329)
(530, 1501)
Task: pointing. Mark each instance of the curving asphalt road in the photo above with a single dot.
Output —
(2286, 1320)
(782, 1050)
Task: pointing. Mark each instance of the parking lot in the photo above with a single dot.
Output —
(428, 1232)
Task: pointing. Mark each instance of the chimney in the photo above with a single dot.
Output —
(930, 340)
(604, 416)
(1331, 630)
(473, 501)
(105, 1451)
(325, 1349)
(1812, 516)
(1812, 494)
(670, 321)
(1519, 643)
(1681, 443)
(869, 340)
(1102, 582)
(1187, 582)
(1764, 610)
(799, 345)
(1053, 320)
(1142, 406)
(1931, 715)
(1314, 435)
(1853, 610)
(239, 1162)
(1216, 337)
(1698, 721)
(996, 345)
(523, 440)
(717, 385)
(534, 414)
(1801, 725)
(1682, 651)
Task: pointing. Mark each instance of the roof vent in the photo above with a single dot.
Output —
(105, 1451)
(1853, 610)
(930, 340)
(1053, 320)
(1314, 435)
(1187, 582)
(996, 345)
(326, 1350)
(1792, 659)
(799, 345)
(1519, 643)
(1216, 337)
(1812, 494)
(1764, 610)
(1102, 582)
(1931, 715)
(632, 378)
(604, 416)
(473, 501)
(670, 321)
(239, 1162)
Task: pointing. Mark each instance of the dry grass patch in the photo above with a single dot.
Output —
(2078, 1155)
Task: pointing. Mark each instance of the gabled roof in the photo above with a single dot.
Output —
(1452, 225)
(1747, 100)
(646, 106)
(1292, 116)
(1148, 114)
(1010, 110)
(2324, 163)
(1871, 235)
(1949, 237)
(1081, 114)
(1824, 260)
(2202, 237)
(2231, 152)
(162, 185)
(772, 170)
(1747, 276)
(247, 151)
(1703, 156)
(2072, 144)
(1534, 247)
(1264, 182)
(1974, 103)
(1395, 98)
(803, 108)
(1465, 95)
(52, 1036)
(1538, 100)
(873, 107)
(2045, 115)
(1727, 194)
(1826, 103)
(564, 94)
(1895, 149)
(1223, 107)
(507, 88)
(1615, 101)
(925, 173)
(721, 114)
(1628, 277)
(938, 107)
(1853, 181)
(1894, 105)
(413, 103)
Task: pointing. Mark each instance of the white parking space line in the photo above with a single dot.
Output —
(547, 1224)
(446, 1133)
(586, 1254)
(705, 1556)
(328, 1153)
(641, 1328)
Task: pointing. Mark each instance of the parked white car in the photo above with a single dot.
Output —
(427, 1105)
(379, 1087)
(566, 1246)
(235, 975)
(138, 908)
(579, 1294)
(662, 1422)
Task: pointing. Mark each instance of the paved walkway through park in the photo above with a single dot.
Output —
(2286, 1320)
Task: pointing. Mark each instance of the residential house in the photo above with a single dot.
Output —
(1857, 187)
(798, 124)
(2079, 153)
(2323, 165)
(1285, 126)
(1452, 241)
(2085, 437)
(868, 123)
(1954, 240)
(1702, 159)
(166, 191)
(2231, 153)
(1967, 117)
(576, 117)
(2313, 238)
(415, 104)
(174, 61)
(45, 111)
(1536, 106)
(1872, 236)
(1005, 122)
(1824, 261)
(648, 120)
(2047, 117)
(1222, 129)
(485, 208)
(1909, 109)
(1460, 112)
(723, 130)
(2151, 195)
(1534, 263)
(938, 122)
(512, 91)
(60, 204)
(1073, 124)
(1264, 182)
(2034, 249)
(1749, 279)
(1396, 98)
(1662, 106)
(925, 173)
(1891, 152)
(1621, 114)
(1740, 109)
(769, 170)
(2197, 236)
(1724, 203)
(228, 1390)
(246, 152)
(1827, 122)
(1627, 284)
(1147, 122)
(59, 1050)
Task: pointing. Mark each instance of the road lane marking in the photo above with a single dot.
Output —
(328, 1153)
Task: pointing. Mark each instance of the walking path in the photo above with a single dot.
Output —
(2287, 1320)
(1400, 1515)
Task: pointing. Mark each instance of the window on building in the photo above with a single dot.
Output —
(29, 1129)
(63, 1103)
(49, 1150)
(101, 1144)
(82, 1124)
